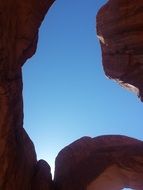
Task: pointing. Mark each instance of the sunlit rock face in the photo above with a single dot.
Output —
(19, 24)
(110, 162)
(120, 31)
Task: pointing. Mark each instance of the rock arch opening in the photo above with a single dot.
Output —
(114, 178)
(103, 165)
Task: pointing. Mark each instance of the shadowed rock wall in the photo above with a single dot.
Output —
(19, 24)
(120, 31)
(107, 162)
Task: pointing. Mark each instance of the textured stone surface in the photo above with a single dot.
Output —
(19, 23)
(90, 163)
(120, 30)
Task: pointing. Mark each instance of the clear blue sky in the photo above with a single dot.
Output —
(66, 94)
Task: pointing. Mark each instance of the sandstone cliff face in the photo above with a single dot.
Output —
(120, 30)
(95, 163)
(19, 23)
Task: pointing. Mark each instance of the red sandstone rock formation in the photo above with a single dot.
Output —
(101, 163)
(19, 23)
(87, 163)
(120, 30)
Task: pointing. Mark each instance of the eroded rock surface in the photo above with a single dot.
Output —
(120, 30)
(19, 24)
(95, 163)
